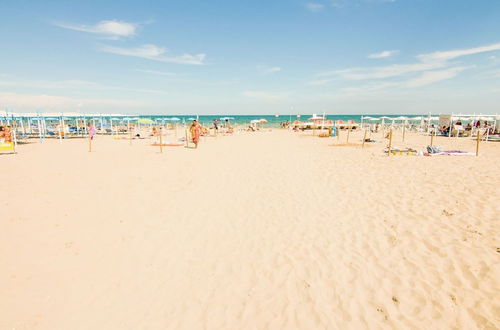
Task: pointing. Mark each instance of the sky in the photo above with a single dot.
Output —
(250, 57)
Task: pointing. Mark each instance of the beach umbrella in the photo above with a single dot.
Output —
(255, 121)
(145, 121)
(191, 118)
(263, 120)
(175, 119)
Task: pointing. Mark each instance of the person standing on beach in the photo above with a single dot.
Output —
(195, 131)
(91, 131)
(7, 134)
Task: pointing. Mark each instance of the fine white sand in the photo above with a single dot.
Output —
(265, 230)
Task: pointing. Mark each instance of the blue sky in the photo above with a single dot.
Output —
(251, 57)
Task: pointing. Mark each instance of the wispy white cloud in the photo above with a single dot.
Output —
(268, 69)
(156, 53)
(426, 62)
(266, 96)
(431, 77)
(314, 6)
(112, 29)
(381, 72)
(384, 54)
(158, 73)
(451, 54)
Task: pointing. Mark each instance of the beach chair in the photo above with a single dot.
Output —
(7, 148)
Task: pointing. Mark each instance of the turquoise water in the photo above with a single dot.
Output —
(273, 121)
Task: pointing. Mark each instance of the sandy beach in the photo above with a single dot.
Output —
(264, 230)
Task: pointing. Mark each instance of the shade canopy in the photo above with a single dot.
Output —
(145, 121)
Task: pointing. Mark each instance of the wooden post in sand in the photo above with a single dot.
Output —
(90, 144)
(59, 128)
(161, 140)
(364, 138)
(390, 143)
(186, 132)
(477, 142)
(14, 135)
(348, 133)
(404, 131)
(433, 133)
(338, 133)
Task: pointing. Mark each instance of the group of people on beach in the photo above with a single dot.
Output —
(445, 130)
(5, 134)
(197, 130)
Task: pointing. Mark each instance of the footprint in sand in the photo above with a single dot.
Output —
(448, 214)
(383, 312)
(392, 240)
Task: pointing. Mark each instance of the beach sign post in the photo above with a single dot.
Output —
(390, 143)
(161, 140)
(364, 139)
(14, 136)
(433, 133)
(477, 142)
(59, 129)
(90, 138)
(348, 133)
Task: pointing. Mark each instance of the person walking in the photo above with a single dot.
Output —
(195, 131)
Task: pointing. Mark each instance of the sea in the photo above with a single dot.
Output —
(272, 120)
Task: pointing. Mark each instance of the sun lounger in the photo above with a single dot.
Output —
(7, 147)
